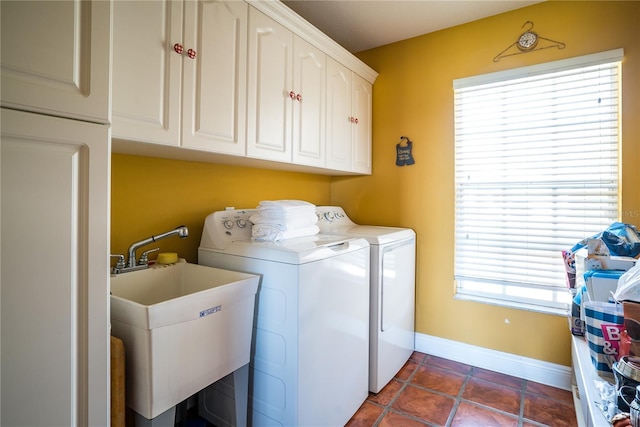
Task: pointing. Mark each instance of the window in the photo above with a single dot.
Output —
(536, 171)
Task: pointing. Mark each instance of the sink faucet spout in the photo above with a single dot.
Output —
(180, 231)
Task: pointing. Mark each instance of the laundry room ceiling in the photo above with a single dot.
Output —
(359, 25)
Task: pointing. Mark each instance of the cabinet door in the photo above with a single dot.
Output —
(147, 71)
(309, 85)
(55, 271)
(269, 84)
(362, 99)
(214, 89)
(339, 126)
(55, 58)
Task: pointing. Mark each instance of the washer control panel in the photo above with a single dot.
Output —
(332, 217)
(224, 227)
(231, 223)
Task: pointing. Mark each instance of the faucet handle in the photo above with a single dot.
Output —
(121, 262)
(144, 259)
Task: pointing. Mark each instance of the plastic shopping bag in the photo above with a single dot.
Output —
(628, 288)
(622, 239)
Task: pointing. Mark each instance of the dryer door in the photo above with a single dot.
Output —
(398, 285)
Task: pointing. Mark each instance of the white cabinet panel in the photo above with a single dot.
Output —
(361, 104)
(269, 86)
(55, 57)
(287, 92)
(339, 150)
(54, 271)
(147, 72)
(180, 74)
(349, 101)
(309, 86)
(214, 90)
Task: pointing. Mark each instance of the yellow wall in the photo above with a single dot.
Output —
(412, 96)
(150, 196)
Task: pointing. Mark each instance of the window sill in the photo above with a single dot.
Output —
(512, 304)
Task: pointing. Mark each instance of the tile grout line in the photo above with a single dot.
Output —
(387, 407)
(523, 390)
(415, 372)
(405, 383)
(458, 400)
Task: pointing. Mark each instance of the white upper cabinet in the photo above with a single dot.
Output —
(55, 58)
(339, 118)
(179, 74)
(269, 86)
(349, 101)
(147, 72)
(214, 89)
(286, 93)
(309, 87)
(361, 107)
(241, 82)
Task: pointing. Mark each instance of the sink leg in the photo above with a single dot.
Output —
(225, 402)
(241, 393)
(165, 419)
(181, 414)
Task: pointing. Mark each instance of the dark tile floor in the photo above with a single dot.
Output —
(433, 391)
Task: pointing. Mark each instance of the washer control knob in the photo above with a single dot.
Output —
(329, 216)
(242, 223)
(228, 224)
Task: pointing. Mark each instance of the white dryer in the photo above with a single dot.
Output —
(309, 359)
(392, 306)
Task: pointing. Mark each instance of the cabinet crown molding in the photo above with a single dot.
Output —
(278, 11)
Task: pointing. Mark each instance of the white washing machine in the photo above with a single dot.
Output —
(309, 360)
(392, 307)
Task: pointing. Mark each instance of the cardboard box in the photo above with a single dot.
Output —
(601, 284)
(585, 262)
(631, 312)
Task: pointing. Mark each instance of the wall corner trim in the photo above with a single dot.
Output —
(547, 373)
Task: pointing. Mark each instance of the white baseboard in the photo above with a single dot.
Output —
(505, 363)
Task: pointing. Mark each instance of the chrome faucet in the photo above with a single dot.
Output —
(181, 232)
(132, 264)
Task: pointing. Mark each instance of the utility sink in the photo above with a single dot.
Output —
(184, 326)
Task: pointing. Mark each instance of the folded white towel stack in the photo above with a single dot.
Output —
(284, 219)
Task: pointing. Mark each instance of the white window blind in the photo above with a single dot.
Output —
(536, 171)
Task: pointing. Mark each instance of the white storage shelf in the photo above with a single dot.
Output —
(585, 394)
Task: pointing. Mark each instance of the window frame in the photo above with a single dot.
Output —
(560, 298)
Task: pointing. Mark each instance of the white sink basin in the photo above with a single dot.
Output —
(184, 326)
